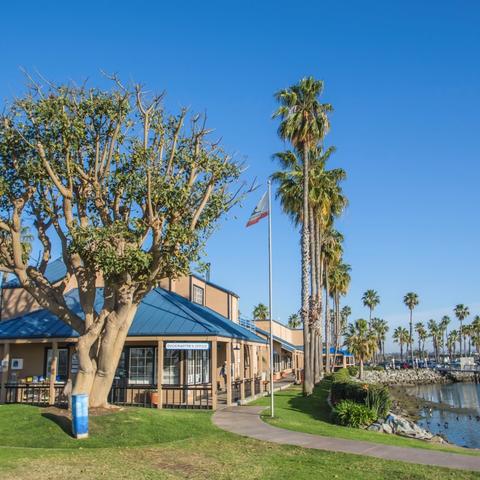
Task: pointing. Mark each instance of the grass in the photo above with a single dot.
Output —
(312, 414)
(151, 444)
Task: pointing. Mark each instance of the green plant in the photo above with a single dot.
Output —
(353, 370)
(341, 375)
(352, 414)
(378, 399)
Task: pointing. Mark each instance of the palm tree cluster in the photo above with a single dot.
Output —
(313, 197)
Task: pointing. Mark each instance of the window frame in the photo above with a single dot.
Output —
(196, 289)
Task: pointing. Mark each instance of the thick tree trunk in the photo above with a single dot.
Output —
(98, 358)
(308, 374)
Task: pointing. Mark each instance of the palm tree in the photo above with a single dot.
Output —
(304, 122)
(400, 336)
(260, 312)
(370, 299)
(422, 337)
(411, 301)
(475, 332)
(294, 320)
(361, 341)
(437, 334)
(444, 322)
(452, 340)
(461, 312)
(380, 327)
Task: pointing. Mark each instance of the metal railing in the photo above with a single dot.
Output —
(35, 394)
(248, 387)
(236, 390)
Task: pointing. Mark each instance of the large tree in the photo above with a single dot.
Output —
(361, 341)
(128, 192)
(461, 312)
(370, 299)
(411, 301)
(401, 336)
(304, 122)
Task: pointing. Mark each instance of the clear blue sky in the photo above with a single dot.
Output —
(404, 80)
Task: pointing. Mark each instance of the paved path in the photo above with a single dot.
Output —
(246, 421)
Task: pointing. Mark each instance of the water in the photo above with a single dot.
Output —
(459, 427)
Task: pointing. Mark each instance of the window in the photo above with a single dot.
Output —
(141, 366)
(198, 294)
(62, 364)
(171, 367)
(198, 366)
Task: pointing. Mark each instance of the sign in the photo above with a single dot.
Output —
(187, 346)
(17, 363)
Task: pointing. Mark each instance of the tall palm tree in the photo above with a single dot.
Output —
(444, 322)
(475, 332)
(380, 327)
(422, 337)
(400, 336)
(260, 312)
(452, 340)
(294, 320)
(461, 312)
(370, 300)
(436, 333)
(411, 301)
(361, 341)
(304, 122)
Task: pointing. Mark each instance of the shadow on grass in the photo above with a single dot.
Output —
(315, 405)
(61, 420)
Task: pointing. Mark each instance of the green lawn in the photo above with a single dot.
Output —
(151, 444)
(312, 414)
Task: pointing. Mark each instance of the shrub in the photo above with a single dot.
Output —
(353, 370)
(376, 397)
(352, 414)
(341, 375)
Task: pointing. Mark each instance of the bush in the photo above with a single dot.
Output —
(376, 397)
(352, 414)
(341, 375)
(353, 371)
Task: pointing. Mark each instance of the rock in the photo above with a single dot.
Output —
(409, 377)
(375, 427)
(404, 427)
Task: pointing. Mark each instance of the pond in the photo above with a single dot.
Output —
(460, 424)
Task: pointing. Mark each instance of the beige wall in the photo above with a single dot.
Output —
(290, 335)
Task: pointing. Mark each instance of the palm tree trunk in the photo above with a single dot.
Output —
(401, 351)
(461, 335)
(327, 322)
(308, 378)
(318, 253)
(411, 337)
(361, 369)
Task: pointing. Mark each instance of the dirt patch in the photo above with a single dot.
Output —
(93, 412)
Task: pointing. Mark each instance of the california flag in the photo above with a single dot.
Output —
(261, 211)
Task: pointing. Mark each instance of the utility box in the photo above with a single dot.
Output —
(80, 415)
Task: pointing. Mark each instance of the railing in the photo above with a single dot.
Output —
(236, 390)
(187, 396)
(34, 394)
(173, 396)
(131, 395)
(258, 385)
(248, 387)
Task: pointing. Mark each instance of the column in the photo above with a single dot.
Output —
(53, 373)
(213, 373)
(5, 364)
(228, 347)
(242, 371)
(253, 361)
(160, 373)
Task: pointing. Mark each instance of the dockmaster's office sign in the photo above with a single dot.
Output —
(187, 346)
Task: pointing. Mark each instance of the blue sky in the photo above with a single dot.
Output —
(403, 78)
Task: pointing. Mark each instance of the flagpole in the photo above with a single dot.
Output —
(270, 296)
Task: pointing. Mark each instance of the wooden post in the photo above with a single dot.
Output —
(5, 364)
(228, 346)
(253, 360)
(213, 373)
(242, 371)
(160, 374)
(53, 373)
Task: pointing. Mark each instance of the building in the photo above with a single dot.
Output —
(185, 348)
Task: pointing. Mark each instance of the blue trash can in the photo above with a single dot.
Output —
(80, 415)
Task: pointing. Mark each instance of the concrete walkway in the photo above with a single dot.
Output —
(246, 421)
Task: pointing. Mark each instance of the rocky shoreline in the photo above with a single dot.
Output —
(415, 377)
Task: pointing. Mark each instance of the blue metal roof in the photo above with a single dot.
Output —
(55, 271)
(342, 351)
(160, 313)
